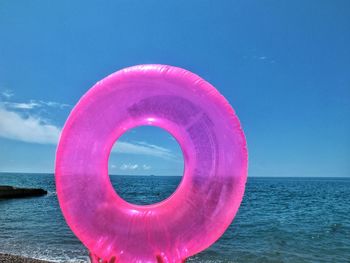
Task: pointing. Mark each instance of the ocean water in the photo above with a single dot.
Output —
(280, 220)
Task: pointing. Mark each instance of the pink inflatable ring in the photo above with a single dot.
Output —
(215, 156)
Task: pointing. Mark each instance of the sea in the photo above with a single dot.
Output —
(296, 219)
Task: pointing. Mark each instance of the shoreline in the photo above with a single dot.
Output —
(8, 258)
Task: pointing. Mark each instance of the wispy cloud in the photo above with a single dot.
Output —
(260, 58)
(7, 93)
(33, 104)
(131, 166)
(17, 122)
(27, 129)
(146, 167)
(21, 105)
(54, 104)
(143, 148)
(5, 99)
(266, 59)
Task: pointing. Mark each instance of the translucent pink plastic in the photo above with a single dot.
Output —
(215, 171)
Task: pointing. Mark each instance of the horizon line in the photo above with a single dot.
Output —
(251, 176)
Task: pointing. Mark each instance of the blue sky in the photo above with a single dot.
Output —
(283, 65)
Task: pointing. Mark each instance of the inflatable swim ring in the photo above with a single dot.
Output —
(215, 172)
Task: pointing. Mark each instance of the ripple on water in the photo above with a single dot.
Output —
(280, 220)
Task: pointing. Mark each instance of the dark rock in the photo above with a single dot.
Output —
(6, 258)
(14, 192)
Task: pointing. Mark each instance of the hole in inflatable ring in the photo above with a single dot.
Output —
(146, 165)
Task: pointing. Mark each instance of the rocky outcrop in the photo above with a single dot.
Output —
(6, 258)
(14, 192)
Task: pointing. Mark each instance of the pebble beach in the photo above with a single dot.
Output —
(6, 258)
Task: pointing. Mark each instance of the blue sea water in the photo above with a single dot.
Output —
(280, 220)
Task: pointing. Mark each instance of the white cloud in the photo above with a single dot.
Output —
(33, 104)
(162, 149)
(7, 94)
(143, 148)
(54, 104)
(263, 59)
(129, 166)
(31, 129)
(21, 106)
(146, 167)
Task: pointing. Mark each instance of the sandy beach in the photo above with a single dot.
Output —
(6, 258)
